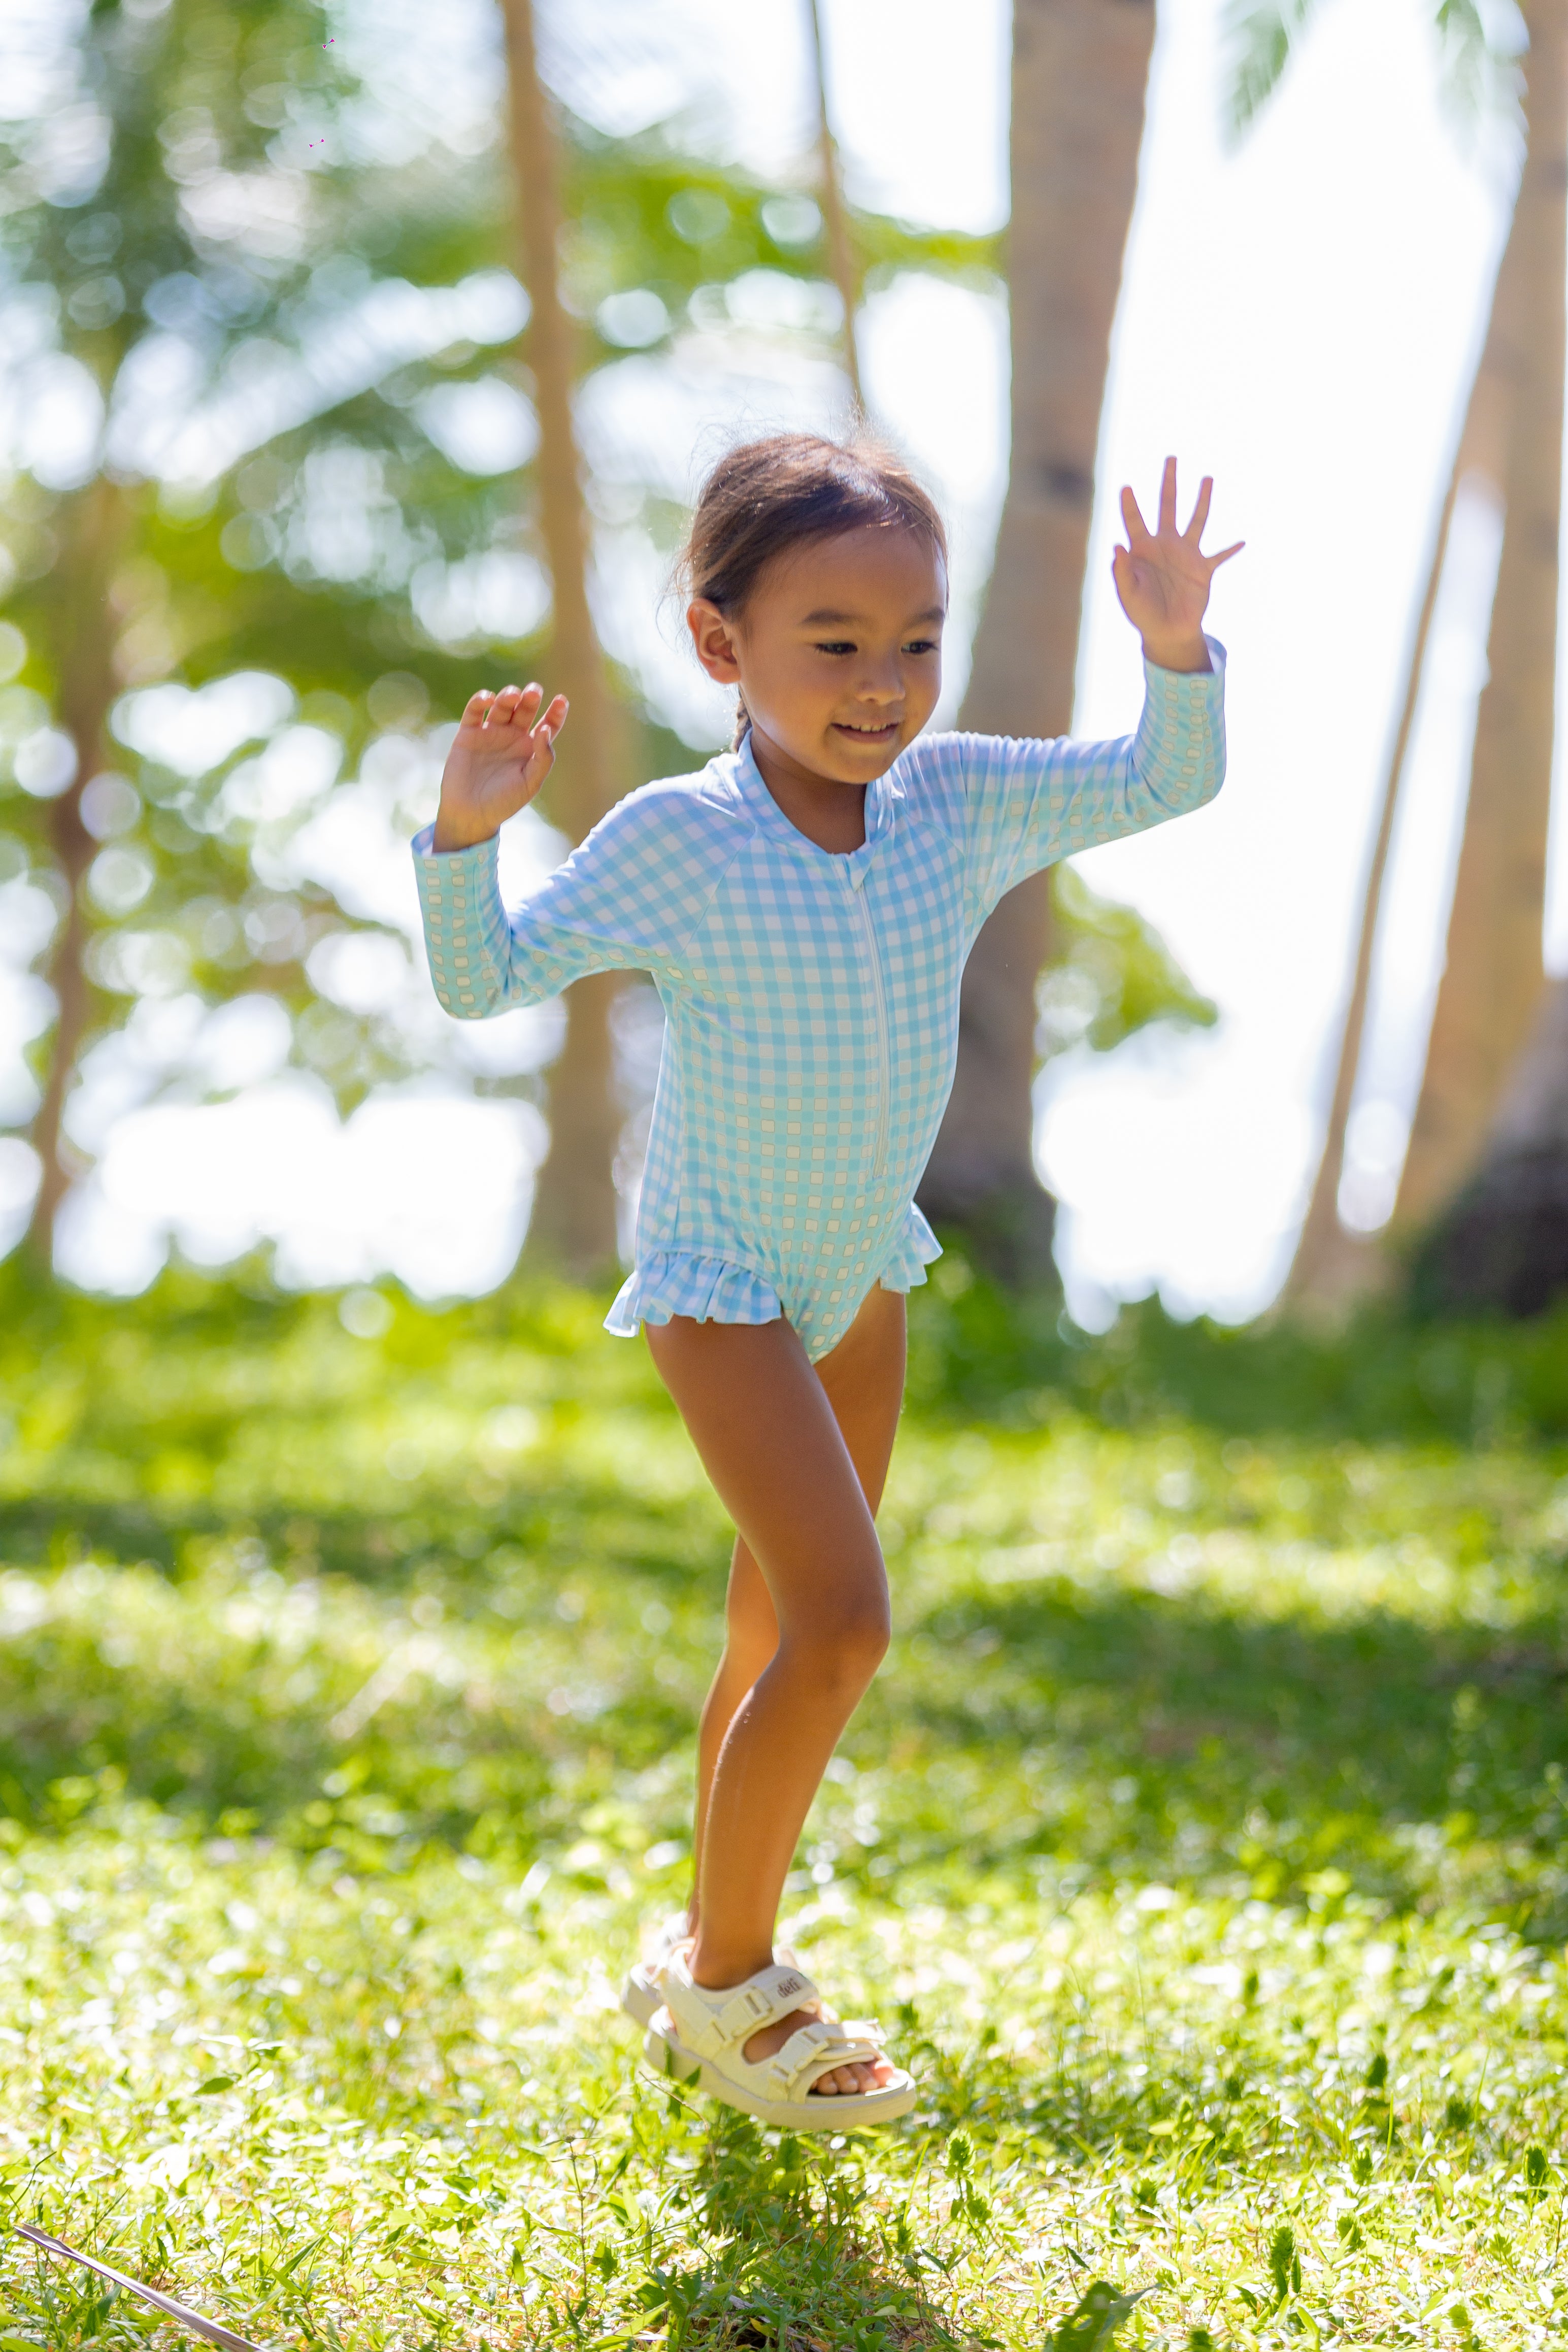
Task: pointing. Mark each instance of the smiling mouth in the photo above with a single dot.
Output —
(878, 734)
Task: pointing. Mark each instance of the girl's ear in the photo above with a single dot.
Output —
(713, 639)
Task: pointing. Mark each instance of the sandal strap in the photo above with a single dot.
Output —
(761, 2001)
(815, 2050)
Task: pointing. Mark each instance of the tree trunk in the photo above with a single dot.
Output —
(82, 649)
(1502, 1247)
(840, 256)
(1493, 981)
(1333, 1267)
(573, 1223)
(1080, 75)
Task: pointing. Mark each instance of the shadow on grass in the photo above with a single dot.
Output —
(1108, 1733)
(1184, 1711)
(222, 1437)
(801, 2258)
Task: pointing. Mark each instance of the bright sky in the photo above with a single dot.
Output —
(1297, 319)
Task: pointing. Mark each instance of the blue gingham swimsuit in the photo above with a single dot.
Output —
(810, 998)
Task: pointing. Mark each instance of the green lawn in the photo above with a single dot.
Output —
(1204, 1844)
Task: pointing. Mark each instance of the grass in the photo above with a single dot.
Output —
(1204, 1844)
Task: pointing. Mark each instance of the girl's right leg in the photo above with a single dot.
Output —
(863, 1378)
(750, 1638)
(770, 1436)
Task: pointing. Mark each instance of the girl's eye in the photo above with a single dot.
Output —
(835, 645)
(920, 646)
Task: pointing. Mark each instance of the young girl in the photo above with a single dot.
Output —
(805, 905)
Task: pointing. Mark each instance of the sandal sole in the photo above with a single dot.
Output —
(835, 2113)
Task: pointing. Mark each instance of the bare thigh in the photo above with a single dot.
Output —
(863, 1378)
(798, 1453)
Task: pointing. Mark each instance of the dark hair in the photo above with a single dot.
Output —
(765, 497)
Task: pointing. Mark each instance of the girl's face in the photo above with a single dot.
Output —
(838, 654)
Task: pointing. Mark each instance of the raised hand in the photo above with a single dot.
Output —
(500, 755)
(1161, 576)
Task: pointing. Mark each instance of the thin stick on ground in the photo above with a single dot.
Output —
(210, 2329)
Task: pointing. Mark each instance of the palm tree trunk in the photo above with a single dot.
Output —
(82, 649)
(1492, 983)
(1502, 1247)
(1332, 1265)
(1079, 81)
(840, 256)
(573, 1223)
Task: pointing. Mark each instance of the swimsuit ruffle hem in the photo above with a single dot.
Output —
(718, 1290)
(680, 1282)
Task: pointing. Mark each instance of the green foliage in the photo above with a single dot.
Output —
(1263, 35)
(1110, 973)
(1477, 64)
(1262, 39)
(1284, 2262)
(1096, 2322)
(1385, 1375)
(1202, 1844)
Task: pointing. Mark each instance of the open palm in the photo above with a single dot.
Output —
(500, 755)
(1161, 576)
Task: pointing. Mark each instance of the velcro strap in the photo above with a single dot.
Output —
(767, 1996)
(816, 2049)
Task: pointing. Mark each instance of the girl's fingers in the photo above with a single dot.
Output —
(476, 706)
(1168, 496)
(1225, 555)
(1200, 512)
(514, 703)
(554, 718)
(541, 741)
(1132, 517)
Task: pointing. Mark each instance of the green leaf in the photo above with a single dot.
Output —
(1110, 974)
(1096, 2318)
(1261, 37)
(1284, 2262)
(1477, 72)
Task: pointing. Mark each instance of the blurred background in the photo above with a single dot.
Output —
(352, 357)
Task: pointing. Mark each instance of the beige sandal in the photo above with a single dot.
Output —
(703, 2032)
(641, 1994)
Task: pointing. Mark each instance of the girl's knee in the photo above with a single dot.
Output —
(847, 1641)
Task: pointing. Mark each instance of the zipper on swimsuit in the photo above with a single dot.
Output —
(885, 1071)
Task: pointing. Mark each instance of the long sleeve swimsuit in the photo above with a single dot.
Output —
(810, 998)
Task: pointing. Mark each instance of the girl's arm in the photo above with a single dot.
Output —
(484, 960)
(628, 898)
(501, 754)
(1028, 802)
